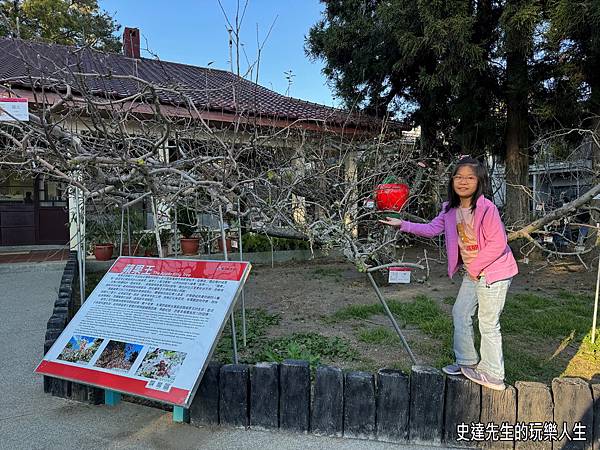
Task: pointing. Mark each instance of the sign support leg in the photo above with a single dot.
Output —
(180, 414)
(241, 259)
(226, 257)
(111, 398)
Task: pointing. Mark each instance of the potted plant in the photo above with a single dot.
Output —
(100, 233)
(104, 251)
(187, 221)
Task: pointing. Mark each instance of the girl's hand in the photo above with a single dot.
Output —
(391, 221)
(475, 279)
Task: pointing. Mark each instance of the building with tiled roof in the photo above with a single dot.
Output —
(219, 95)
(32, 211)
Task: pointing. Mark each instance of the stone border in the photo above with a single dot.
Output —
(425, 407)
(65, 307)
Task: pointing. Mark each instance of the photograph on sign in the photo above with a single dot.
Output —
(399, 275)
(149, 327)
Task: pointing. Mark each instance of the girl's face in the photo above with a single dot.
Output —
(465, 182)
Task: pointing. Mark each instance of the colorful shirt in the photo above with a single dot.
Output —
(467, 240)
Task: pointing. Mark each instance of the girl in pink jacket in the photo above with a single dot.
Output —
(475, 239)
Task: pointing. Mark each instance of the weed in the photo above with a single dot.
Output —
(258, 321)
(308, 346)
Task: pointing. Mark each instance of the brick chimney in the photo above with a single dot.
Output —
(131, 42)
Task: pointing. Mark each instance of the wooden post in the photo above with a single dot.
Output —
(498, 407)
(463, 399)
(426, 405)
(534, 405)
(359, 405)
(393, 395)
(573, 404)
(327, 417)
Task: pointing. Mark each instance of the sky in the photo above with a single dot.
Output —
(195, 33)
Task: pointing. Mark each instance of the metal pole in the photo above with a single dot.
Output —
(391, 316)
(596, 299)
(176, 234)
(121, 237)
(129, 252)
(226, 257)
(156, 230)
(241, 259)
(80, 254)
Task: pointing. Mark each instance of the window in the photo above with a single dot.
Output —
(15, 188)
(51, 193)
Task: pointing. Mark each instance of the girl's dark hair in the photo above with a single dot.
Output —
(482, 182)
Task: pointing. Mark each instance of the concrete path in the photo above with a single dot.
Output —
(30, 419)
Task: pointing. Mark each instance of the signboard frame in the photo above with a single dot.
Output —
(192, 392)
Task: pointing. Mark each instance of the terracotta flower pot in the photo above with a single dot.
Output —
(190, 246)
(391, 197)
(103, 252)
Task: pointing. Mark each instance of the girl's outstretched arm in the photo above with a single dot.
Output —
(431, 229)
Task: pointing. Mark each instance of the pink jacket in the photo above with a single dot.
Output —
(494, 257)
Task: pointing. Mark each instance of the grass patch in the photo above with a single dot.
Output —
(378, 335)
(533, 327)
(422, 311)
(547, 317)
(357, 312)
(589, 350)
(311, 347)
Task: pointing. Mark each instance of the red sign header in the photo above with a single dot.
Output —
(216, 270)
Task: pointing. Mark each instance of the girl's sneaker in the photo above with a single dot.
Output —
(454, 369)
(483, 379)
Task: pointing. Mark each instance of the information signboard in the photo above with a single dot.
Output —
(399, 275)
(14, 109)
(149, 327)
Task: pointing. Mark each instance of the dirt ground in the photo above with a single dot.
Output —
(306, 295)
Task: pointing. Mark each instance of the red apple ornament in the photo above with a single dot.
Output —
(391, 196)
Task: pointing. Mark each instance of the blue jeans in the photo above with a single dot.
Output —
(490, 299)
